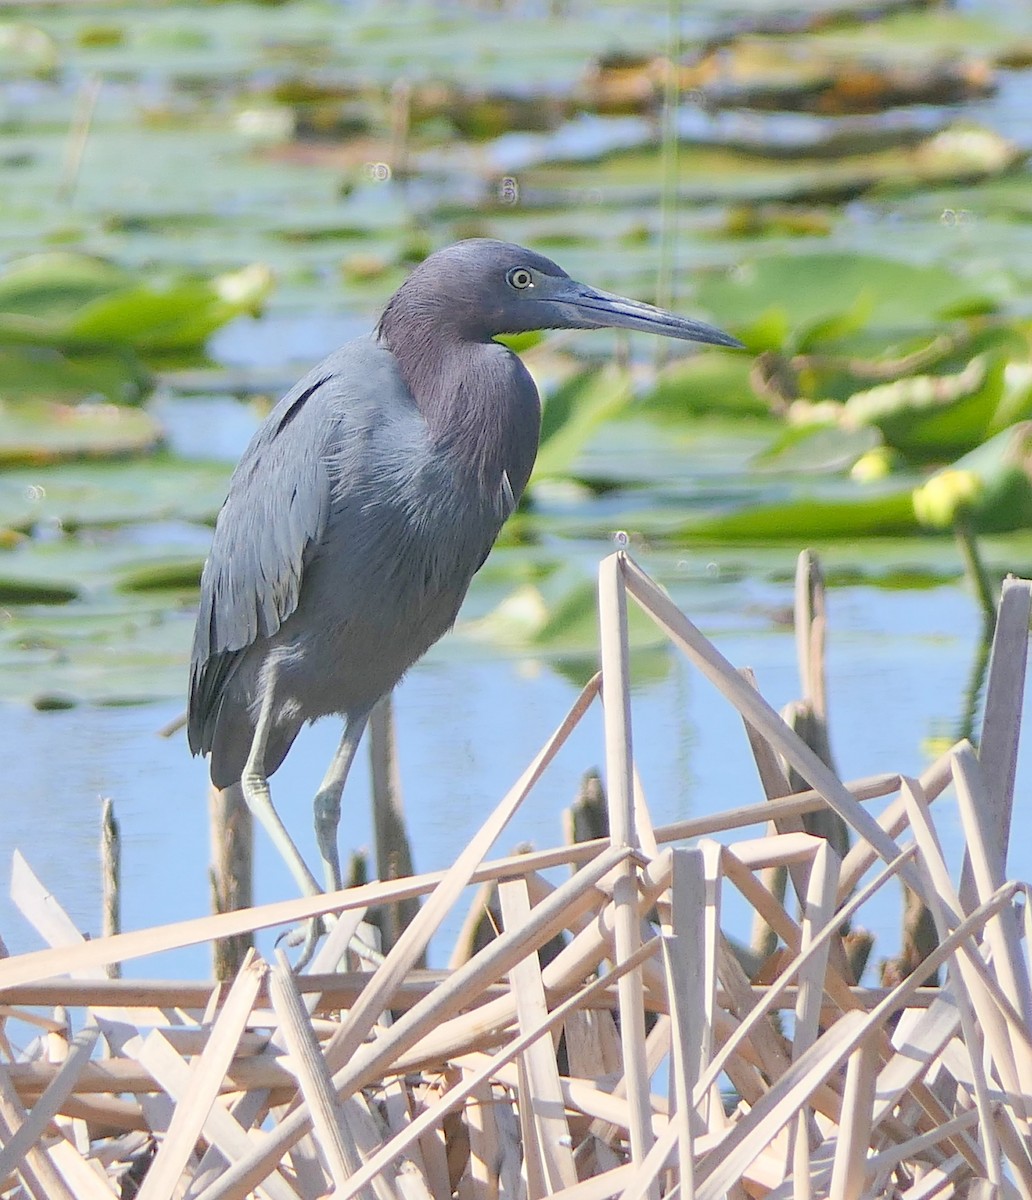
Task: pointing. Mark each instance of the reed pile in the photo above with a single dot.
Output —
(635, 1058)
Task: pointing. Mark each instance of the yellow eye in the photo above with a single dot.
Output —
(520, 277)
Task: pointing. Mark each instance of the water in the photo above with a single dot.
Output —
(469, 720)
(471, 715)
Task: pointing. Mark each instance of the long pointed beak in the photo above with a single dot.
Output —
(588, 308)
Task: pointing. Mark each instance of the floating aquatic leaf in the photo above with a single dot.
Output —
(168, 575)
(39, 432)
(930, 417)
(811, 288)
(180, 317)
(835, 326)
(781, 75)
(73, 495)
(811, 518)
(80, 653)
(559, 615)
(706, 383)
(819, 448)
(57, 283)
(50, 373)
(14, 590)
(77, 302)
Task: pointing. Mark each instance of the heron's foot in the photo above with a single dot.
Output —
(343, 938)
(306, 935)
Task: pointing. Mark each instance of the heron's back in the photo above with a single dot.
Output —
(344, 551)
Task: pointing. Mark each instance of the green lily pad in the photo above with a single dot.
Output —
(114, 656)
(707, 383)
(76, 301)
(812, 287)
(811, 518)
(58, 283)
(180, 317)
(51, 373)
(179, 574)
(73, 495)
(932, 417)
(823, 448)
(558, 616)
(34, 591)
(41, 432)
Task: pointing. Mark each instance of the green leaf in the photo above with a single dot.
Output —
(811, 518)
(17, 590)
(78, 302)
(180, 317)
(932, 416)
(707, 383)
(74, 495)
(559, 616)
(58, 283)
(168, 575)
(811, 448)
(519, 342)
(48, 373)
(813, 288)
(573, 412)
(40, 432)
(835, 326)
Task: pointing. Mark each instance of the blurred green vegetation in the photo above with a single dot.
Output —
(848, 192)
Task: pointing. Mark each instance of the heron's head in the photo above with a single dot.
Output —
(476, 289)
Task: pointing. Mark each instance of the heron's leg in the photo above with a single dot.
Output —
(327, 799)
(255, 787)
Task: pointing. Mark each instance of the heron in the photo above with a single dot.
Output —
(364, 505)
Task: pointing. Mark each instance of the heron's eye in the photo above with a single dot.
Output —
(520, 278)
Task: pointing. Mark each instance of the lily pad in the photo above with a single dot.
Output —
(34, 591)
(41, 432)
(811, 518)
(103, 657)
(813, 287)
(178, 574)
(58, 283)
(558, 616)
(819, 448)
(74, 495)
(708, 383)
(76, 301)
(180, 317)
(55, 374)
(928, 417)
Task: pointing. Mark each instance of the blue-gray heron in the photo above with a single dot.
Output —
(363, 507)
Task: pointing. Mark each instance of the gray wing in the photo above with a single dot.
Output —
(274, 516)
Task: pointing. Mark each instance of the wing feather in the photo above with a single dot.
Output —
(274, 513)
